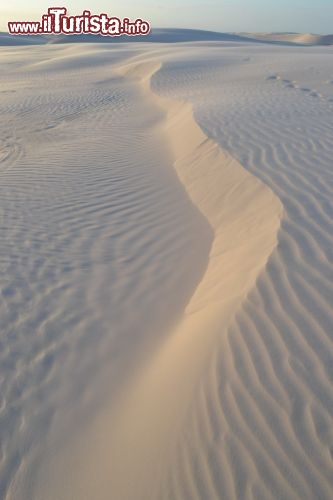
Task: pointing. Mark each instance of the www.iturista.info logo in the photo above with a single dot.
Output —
(56, 22)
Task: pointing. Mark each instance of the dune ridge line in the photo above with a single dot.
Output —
(128, 450)
(245, 216)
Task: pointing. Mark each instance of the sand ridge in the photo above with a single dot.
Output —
(261, 424)
(130, 459)
(213, 211)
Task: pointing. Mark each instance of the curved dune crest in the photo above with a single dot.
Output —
(126, 452)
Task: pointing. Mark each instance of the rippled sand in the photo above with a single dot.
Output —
(166, 272)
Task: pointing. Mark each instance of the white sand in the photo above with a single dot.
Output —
(298, 38)
(167, 276)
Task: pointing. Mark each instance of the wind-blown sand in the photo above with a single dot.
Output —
(300, 38)
(167, 266)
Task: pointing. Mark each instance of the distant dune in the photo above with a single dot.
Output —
(174, 35)
(7, 40)
(297, 38)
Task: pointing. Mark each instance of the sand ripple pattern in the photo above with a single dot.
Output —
(261, 426)
(91, 225)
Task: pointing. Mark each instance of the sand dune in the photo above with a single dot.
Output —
(261, 424)
(176, 299)
(92, 225)
(157, 35)
(299, 38)
(243, 240)
(161, 35)
(7, 40)
(172, 35)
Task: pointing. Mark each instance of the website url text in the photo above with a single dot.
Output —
(56, 22)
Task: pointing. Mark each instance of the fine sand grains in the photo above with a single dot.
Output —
(128, 448)
(177, 304)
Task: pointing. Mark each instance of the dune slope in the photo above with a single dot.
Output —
(128, 448)
(261, 426)
(196, 252)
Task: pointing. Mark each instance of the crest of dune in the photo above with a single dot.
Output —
(125, 452)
